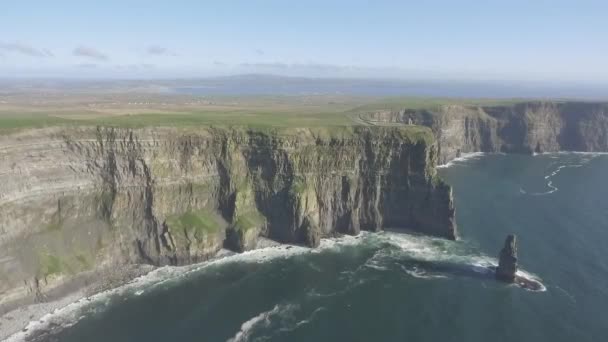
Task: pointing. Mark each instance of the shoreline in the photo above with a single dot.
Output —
(18, 318)
(52, 317)
(33, 322)
(18, 314)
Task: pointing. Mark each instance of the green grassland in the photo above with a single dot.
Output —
(286, 111)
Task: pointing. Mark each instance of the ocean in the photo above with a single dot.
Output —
(396, 286)
(249, 85)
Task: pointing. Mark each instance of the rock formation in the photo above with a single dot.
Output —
(528, 127)
(75, 200)
(507, 262)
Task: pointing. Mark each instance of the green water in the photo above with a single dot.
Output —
(400, 287)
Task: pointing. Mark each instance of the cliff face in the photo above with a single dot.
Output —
(76, 200)
(519, 128)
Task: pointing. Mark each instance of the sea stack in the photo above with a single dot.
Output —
(507, 263)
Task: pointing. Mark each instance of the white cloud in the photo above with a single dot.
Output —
(88, 52)
(159, 51)
(25, 49)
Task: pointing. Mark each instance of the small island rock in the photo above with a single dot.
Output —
(507, 263)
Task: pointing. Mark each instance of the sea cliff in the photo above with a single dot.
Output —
(81, 203)
(526, 127)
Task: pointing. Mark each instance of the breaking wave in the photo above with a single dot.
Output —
(263, 319)
(426, 257)
(463, 158)
(412, 255)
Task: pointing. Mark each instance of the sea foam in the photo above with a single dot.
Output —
(70, 314)
(587, 157)
(414, 247)
(463, 158)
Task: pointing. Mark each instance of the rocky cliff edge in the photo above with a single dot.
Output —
(75, 201)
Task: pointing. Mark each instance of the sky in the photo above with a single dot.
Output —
(536, 40)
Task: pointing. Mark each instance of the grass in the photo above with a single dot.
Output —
(248, 221)
(50, 265)
(429, 103)
(294, 111)
(229, 118)
(14, 121)
(53, 226)
(198, 222)
(298, 186)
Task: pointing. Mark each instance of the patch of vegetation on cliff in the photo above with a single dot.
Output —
(298, 186)
(436, 180)
(249, 220)
(200, 223)
(50, 264)
(83, 261)
(53, 226)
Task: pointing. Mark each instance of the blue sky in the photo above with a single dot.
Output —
(540, 40)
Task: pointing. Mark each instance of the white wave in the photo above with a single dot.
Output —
(261, 319)
(375, 262)
(424, 248)
(72, 313)
(421, 274)
(484, 265)
(376, 267)
(417, 247)
(438, 250)
(531, 276)
(310, 318)
(550, 181)
(463, 158)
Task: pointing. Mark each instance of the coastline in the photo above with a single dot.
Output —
(17, 315)
(32, 322)
(52, 317)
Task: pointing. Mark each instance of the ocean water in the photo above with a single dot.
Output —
(245, 85)
(393, 286)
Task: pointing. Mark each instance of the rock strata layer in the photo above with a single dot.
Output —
(74, 201)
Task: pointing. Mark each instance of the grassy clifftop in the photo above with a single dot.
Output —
(132, 110)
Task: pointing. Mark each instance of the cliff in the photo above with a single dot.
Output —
(76, 201)
(529, 127)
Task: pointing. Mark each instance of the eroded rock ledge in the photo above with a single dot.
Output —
(75, 200)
